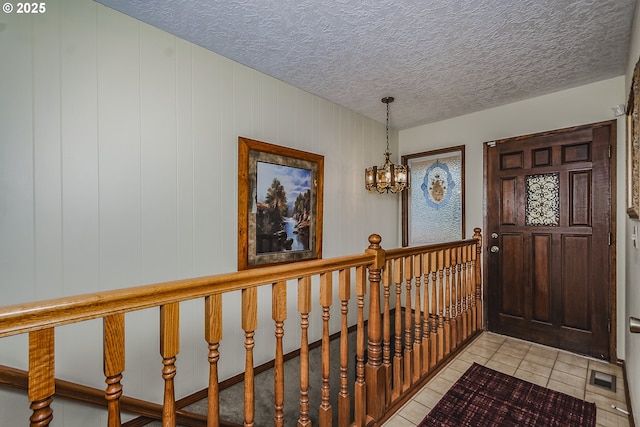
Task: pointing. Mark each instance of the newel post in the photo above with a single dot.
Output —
(374, 372)
(478, 278)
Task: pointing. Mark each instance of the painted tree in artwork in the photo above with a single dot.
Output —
(276, 198)
(302, 206)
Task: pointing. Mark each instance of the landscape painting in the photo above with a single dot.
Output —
(279, 204)
(283, 217)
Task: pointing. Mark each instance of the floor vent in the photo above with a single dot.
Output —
(603, 380)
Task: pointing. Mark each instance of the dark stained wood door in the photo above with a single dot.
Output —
(547, 238)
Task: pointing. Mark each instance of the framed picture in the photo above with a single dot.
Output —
(279, 204)
(633, 146)
(433, 208)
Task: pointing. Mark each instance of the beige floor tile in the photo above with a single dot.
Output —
(479, 351)
(450, 374)
(568, 379)
(609, 419)
(414, 411)
(515, 343)
(540, 380)
(605, 367)
(573, 359)
(617, 395)
(440, 385)
(577, 371)
(566, 389)
(500, 367)
(535, 368)
(491, 345)
(506, 359)
(428, 397)
(542, 351)
(490, 336)
(539, 360)
(518, 352)
(604, 402)
(460, 365)
(472, 357)
(398, 421)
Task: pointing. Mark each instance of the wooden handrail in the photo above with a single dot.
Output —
(22, 318)
(437, 287)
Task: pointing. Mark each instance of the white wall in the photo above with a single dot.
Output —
(581, 105)
(118, 167)
(632, 283)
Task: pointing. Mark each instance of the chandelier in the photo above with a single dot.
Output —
(387, 177)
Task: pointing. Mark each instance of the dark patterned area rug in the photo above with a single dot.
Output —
(484, 397)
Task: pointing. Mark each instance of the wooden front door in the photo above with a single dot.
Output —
(548, 237)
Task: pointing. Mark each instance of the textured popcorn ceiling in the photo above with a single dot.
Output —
(438, 58)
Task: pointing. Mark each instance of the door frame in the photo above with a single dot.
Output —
(613, 358)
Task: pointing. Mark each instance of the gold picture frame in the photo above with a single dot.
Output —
(280, 197)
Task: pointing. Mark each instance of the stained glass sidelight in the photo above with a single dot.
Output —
(543, 200)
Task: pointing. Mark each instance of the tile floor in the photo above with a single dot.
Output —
(546, 366)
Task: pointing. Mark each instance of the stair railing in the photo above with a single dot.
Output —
(440, 309)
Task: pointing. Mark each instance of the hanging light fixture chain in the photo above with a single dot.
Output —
(388, 126)
(387, 100)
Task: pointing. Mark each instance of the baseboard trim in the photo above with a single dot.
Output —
(627, 397)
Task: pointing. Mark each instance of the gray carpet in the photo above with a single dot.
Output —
(231, 398)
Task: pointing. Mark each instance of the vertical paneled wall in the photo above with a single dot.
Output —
(118, 167)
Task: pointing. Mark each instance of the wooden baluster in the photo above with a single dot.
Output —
(213, 336)
(465, 293)
(41, 376)
(408, 349)
(454, 298)
(426, 330)
(470, 290)
(113, 364)
(417, 322)
(386, 332)
(397, 354)
(169, 348)
(279, 315)
(447, 302)
(326, 297)
(461, 314)
(478, 278)
(344, 400)
(441, 302)
(304, 308)
(459, 297)
(249, 325)
(360, 386)
(433, 314)
(373, 369)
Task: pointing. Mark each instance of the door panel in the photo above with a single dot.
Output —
(513, 292)
(509, 212)
(541, 277)
(575, 280)
(549, 217)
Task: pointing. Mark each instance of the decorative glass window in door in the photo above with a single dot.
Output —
(543, 200)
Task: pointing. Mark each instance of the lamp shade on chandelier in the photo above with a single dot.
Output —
(387, 177)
